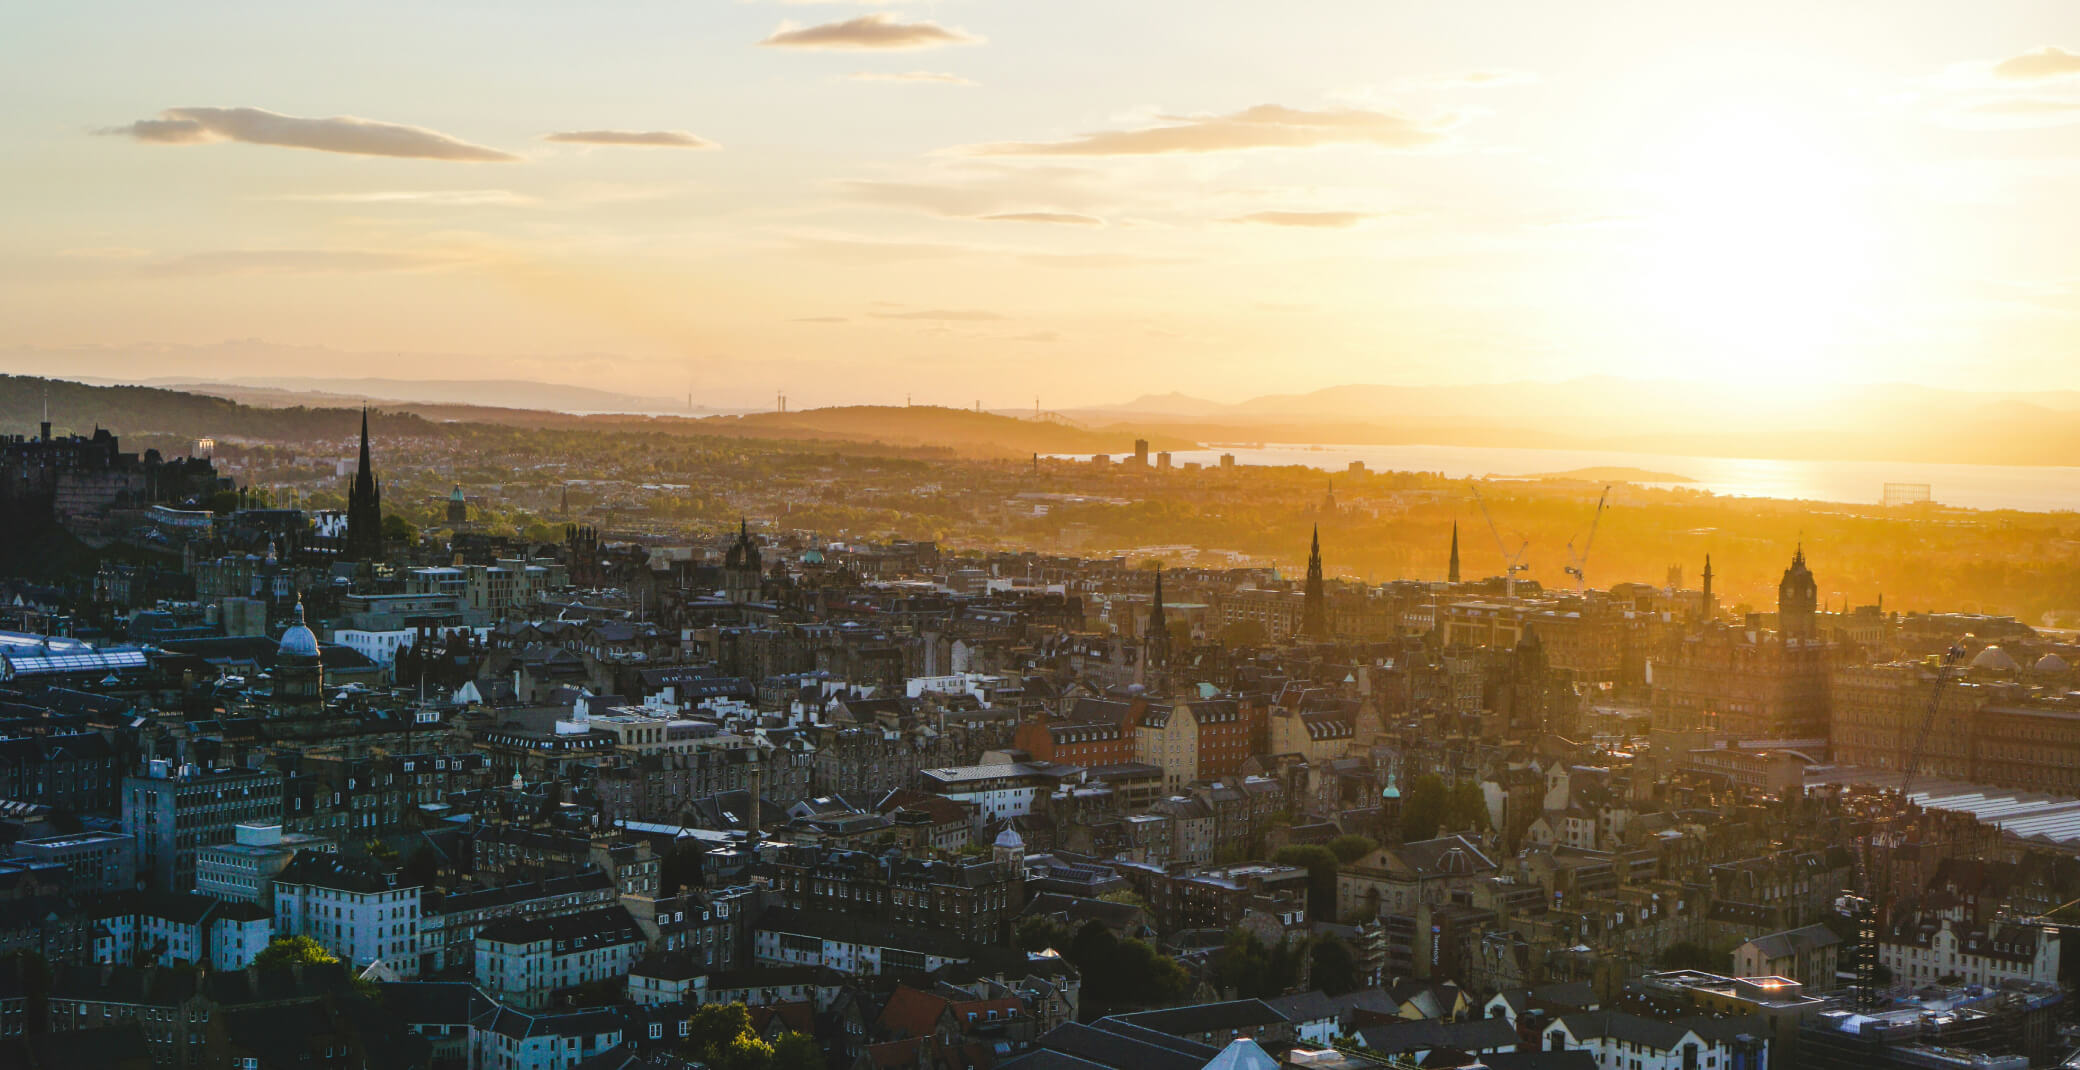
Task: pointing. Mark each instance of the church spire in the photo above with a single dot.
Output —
(364, 506)
(1314, 615)
(1155, 638)
(1451, 574)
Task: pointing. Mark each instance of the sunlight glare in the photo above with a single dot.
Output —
(1759, 258)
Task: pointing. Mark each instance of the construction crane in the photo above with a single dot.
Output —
(1512, 563)
(1578, 562)
(1873, 907)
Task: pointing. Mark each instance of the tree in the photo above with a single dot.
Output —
(797, 1051)
(1465, 807)
(1320, 864)
(397, 531)
(745, 1051)
(1041, 933)
(293, 951)
(1335, 969)
(1126, 896)
(720, 1035)
(1351, 847)
(1121, 973)
(1247, 968)
(1423, 808)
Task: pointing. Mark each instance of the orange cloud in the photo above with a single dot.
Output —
(2049, 62)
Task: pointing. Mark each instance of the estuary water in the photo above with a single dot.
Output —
(1973, 486)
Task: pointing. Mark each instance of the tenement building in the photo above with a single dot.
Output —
(1993, 732)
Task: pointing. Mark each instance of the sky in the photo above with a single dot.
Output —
(985, 201)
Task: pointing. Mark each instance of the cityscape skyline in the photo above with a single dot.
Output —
(957, 535)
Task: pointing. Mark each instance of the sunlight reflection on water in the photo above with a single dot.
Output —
(1975, 486)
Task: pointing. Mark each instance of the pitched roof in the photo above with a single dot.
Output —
(1115, 1046)
(1242, 1053)
(1206, 1017)
(912, 1012)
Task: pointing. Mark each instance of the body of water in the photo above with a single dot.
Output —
(1973, 486)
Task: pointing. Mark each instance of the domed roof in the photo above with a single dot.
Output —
(1010, 838)
(812, 557)
(456, 494)
(297, 640)
(1994, 659)
(2052, 664)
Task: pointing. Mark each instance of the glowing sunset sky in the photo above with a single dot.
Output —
(1087, 201)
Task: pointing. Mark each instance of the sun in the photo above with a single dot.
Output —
(1759, 253)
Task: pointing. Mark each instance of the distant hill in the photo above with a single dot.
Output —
(143, 412)
(492, 393)
(980, 434)
(1171, 404)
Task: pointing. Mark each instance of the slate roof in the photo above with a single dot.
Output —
(1472, 1035)
(1651, 1033)
(833, 926)
(592, 928)
(1794, 941)
(1206, 1017)
(1540, 1060)
(1115, 1046)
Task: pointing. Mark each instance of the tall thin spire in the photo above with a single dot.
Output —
(1707, 610)
(1155, 638)
(364, 506)
(1314, 614)
(1451, 574)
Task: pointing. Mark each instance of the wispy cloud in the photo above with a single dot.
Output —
(1594, 222)
(846, 249)
(1068, 218)
(290, 261)
(929, 77)
(1323, 220)
(1097, 260)
(944, 315)
(338, 133)
(875, 32)
(105, 252)
(2013, 113)
(1003, 193)
(817, 319)
(446, 198)
(1488, 79)
(2045, 63)
(1266, 126)
(656, 139)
